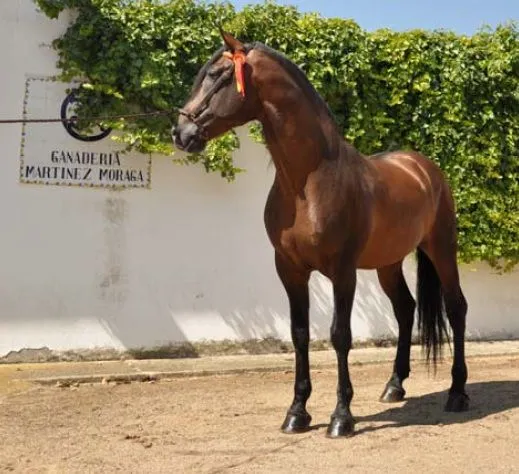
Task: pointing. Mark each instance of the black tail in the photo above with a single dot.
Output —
(431, 311)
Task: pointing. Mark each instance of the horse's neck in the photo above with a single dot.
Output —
(300, 138)
(300, 135)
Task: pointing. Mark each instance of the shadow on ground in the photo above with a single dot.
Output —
(486, 398)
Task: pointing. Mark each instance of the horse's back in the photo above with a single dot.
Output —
(408, 160)
(408, 174)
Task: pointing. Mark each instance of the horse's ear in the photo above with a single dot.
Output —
(231, 42)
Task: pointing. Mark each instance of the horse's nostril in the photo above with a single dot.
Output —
(175, 136)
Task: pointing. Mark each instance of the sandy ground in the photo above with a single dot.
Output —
(230, 423)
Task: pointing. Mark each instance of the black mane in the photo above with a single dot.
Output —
(297, 74)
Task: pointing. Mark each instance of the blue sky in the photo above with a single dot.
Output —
(461, 16)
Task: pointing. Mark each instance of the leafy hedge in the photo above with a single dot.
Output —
(455, 98)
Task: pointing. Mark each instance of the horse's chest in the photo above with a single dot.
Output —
(298, 233)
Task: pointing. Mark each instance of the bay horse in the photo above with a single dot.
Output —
(334, 210)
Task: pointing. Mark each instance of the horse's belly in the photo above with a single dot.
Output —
(386, 246)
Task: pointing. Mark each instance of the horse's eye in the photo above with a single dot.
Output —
(214, 73)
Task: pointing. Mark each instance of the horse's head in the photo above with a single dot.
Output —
(222, 98)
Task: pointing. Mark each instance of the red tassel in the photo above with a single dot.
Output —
(239, 60)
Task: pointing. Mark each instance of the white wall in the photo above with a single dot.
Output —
(187, 259)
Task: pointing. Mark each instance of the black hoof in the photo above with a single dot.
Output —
(392, 394)
(340, 427)
(457, 402)
(296, 423)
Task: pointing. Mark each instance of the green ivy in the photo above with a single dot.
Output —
(454, 98)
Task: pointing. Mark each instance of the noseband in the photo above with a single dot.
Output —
(237, 67)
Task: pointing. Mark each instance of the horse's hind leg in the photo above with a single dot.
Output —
(444, 260)
(456, 308)
(393, 283)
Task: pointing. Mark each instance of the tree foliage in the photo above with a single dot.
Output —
(454, 98)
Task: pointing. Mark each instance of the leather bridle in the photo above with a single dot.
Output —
(196, 114)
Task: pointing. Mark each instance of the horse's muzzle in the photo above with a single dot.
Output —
(187, 137)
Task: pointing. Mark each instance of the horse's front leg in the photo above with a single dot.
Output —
(295, 282)
(342, 422)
